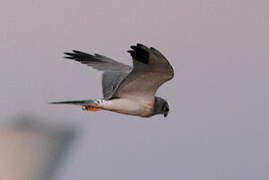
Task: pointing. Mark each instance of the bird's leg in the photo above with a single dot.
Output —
(91, 108)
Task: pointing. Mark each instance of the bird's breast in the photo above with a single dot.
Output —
(130, 106)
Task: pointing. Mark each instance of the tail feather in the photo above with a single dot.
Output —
(77, 102)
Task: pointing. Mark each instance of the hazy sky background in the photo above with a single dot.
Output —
(218, 125)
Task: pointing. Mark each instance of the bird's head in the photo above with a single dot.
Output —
(161, 106)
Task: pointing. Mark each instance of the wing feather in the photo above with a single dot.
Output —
(114, 72)
(97, 61)
(150, 70)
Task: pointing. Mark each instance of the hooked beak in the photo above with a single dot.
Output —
(165, 114)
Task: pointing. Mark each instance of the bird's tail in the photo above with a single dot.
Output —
(89, 105)
(77, 102)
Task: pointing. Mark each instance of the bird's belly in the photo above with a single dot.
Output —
(129, 106)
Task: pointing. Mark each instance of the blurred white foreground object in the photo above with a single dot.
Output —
(30, 151)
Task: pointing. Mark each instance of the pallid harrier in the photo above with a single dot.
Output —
(126, 89)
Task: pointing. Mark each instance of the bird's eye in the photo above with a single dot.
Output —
(165, 108)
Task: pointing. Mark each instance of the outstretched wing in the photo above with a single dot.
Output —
(97, 61)
(111, 81)
(114, 72)
(150, 70)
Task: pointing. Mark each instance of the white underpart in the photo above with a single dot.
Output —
(127, 106)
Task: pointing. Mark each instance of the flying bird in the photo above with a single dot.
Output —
(128, 89)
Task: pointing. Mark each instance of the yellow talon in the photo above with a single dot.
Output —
(91, 108)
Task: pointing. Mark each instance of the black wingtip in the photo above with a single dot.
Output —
(78, 52)
(139, 53)
(139, 45)
(68, 57)
(133, 47)
(81, 56)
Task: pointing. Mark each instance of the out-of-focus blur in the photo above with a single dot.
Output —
(30, 150)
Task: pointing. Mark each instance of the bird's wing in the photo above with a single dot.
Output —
(114, 72)
(111, 81)
(97, 61)
(150, 70)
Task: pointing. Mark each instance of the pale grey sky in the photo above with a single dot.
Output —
(218, 126)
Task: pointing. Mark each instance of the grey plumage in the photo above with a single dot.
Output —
(114, 72)
(77, 102)
(134, 87)
(97, 61)
(111, 81)
(146, 78)
(161, 106)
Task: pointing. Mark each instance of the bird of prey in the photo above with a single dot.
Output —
(128, 89)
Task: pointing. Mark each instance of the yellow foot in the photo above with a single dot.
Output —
(91, 108)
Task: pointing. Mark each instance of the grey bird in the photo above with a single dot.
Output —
(128, 89)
